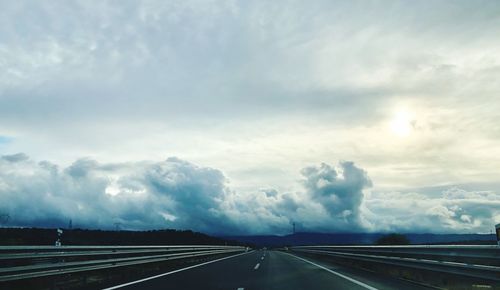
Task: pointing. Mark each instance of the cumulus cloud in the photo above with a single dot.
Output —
(174, 193)
(449, 211)
(339, 191)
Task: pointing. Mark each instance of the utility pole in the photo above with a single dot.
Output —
(497, 231)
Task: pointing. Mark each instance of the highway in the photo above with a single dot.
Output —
(268, 270)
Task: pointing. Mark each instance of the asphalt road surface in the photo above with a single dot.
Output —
(268, 270)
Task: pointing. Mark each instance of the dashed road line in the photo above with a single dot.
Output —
(257, 266)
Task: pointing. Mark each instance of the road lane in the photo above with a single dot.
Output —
(282, 271)
(271, 270)
(230, 274)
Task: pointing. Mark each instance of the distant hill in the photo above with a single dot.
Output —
(37, 236)
(360, 238)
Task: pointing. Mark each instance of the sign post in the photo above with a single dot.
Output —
(59, 234)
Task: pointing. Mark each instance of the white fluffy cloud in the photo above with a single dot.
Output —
(178, 194)
(147, 195)
(172, 193)
(447, 211)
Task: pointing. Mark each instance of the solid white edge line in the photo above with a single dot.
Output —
(336, 273)
(173, 272)
(257, 266)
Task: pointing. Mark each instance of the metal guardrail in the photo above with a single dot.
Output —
(24, 262)
(473, 261)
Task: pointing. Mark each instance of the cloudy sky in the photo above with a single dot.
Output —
(246, 116)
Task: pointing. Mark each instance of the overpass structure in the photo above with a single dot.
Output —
(238, 268)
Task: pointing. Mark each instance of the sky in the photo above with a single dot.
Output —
(243, 117)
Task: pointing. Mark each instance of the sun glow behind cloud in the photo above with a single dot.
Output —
(402, 123)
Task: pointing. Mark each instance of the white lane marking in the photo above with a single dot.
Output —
(336, 273)
(262, 258)
(241, 288)
(257, 266)
(174, 271)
